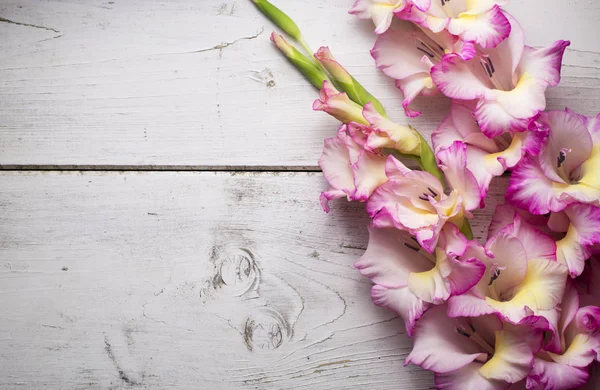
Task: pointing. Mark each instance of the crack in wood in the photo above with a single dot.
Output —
(28, 25)
(223, 45)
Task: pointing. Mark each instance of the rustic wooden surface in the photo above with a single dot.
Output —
(198, 83)
(210, 280)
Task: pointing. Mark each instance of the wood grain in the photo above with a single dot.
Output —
(198, 83)
(190, 280)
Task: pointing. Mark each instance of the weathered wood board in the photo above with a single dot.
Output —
(190, 280)
(199, 280)
(198, 83)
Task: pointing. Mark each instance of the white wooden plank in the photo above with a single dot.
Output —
(198, 83)
(190, 280)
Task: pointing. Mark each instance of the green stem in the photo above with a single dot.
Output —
(466, 229)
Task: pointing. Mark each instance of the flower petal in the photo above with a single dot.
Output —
(568, 137)
(510, 256)
(398, 52)
(575, 248)
(450, 276)
(437, 345)
(553, 376)
(338, 105)
(335, 163)
(495, 120)
(542, 289)
(512, 359)
(402, 301)
(457, 79)
(467, 378)
(487, 29)
(390, 258)
(468, 305)
(401, 138)
(582, 351)
(369, 173)
(544, 64)
(537, 245)
(530, 189)
(380, 11)
(413, 86)
(453, 162)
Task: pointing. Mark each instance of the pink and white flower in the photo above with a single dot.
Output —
(574, 229)
(338, 105)
(581, 233)
(407, 53)
(562, 364)
(478, 353)
(508, 82)
(380, 132)
(382, 11)
(486, 157)
(522, 279)
(352, 171)
(415, 201)
(565, 171)
(482, 22)
(408, 279)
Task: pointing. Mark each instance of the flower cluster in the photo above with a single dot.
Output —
(519, 309)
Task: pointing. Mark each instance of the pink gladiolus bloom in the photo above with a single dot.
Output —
(565, 171)
(406, 53)
(523, 278)
(574, 229)
(471, 353)
(351, 171)
(382, 11)
(508, 82)
(486, 158)
(562, 364)
(415, 201)
(338, 105)
(409, 279)
(482, 22)
(379, 131)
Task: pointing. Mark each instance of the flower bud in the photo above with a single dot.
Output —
(356, 92)
(278, 17)
(315, 75)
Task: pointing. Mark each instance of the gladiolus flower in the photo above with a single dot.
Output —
(351, 170)
(470, 353)
(382, 133)
(406, 53)
(415, 201)
(523, 278)
(562, 364)
(482, 22)
(382, 11)
(565, 171)
(508, 82)
(574, 229)
(409, 279)
(355, 91)
(486, 158)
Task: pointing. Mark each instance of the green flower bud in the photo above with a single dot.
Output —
(278, 17)
(314, 74)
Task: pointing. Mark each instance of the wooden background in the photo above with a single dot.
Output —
(159, 216)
